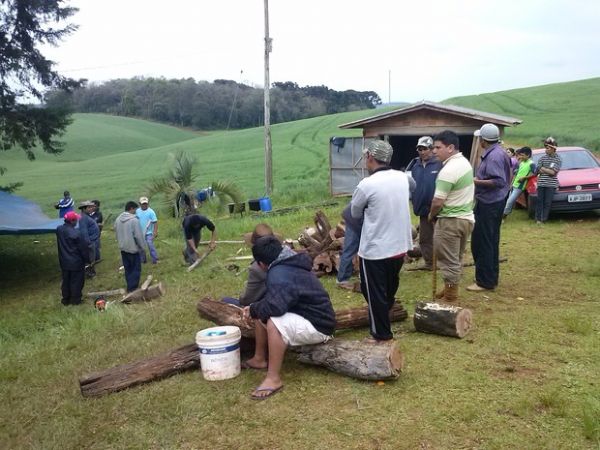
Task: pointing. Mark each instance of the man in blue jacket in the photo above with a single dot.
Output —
(424, 170)
(73, 254)
(295, 310)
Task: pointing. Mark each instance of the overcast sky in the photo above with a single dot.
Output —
(434, 49)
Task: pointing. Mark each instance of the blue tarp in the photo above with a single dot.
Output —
(21, 216)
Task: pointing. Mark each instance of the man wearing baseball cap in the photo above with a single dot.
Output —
(91, 234)
(73, 255)
(492, 183)
(424, 170)
(381, 200)
(149, 224)
(547, 170)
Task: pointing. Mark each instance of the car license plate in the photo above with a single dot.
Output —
(574, 198)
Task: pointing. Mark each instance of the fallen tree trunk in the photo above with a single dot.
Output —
(128, 375)
(145, 294)
(225, 314)
(356, 359)
(112, 292)
(446, 320)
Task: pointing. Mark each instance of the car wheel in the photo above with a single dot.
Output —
(531, 206)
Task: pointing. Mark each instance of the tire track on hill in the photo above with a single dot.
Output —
(527, 106)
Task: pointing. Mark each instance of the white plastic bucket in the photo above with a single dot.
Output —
(219, 352)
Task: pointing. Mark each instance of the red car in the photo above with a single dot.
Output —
(578, 179)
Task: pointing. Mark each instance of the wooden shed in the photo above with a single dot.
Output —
(402, 128)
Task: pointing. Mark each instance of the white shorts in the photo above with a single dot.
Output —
(296, 330)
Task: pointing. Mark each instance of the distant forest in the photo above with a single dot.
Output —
(204, 105)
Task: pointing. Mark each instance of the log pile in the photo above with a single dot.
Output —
(324, 245)
(144, 293)
(357, 359)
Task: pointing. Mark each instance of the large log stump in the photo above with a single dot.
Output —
(128, 375)
(356, 359)
(441, 319)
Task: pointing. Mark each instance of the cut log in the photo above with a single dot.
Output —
(357, 359)
(199, 260)
(145, 294)
(146, 283)
(128, 375)
(322, 262)
(446, 320)
(106, 293)
(225, 314)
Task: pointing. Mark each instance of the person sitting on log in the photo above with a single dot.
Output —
(256, 285)
(295, 310)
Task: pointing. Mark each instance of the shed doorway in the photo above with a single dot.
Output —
(405, 148)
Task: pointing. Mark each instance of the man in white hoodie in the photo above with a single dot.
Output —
(382, 201)
(131, 242)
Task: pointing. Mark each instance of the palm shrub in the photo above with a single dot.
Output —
(178, 191)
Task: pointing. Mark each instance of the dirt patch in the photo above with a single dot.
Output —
(511, 370)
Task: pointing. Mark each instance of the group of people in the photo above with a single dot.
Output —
(453, 204)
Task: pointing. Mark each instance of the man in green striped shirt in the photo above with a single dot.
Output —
(452, 211)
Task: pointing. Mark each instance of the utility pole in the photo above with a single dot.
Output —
(389, 86)
(267, 106)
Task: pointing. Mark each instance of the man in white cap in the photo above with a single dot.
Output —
(382, 201)
(424, 170)
(149, 224)
(492, 183)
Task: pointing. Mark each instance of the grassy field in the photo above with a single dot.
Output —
(567, 111)
(525, 377)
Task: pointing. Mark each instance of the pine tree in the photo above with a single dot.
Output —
(25, 25)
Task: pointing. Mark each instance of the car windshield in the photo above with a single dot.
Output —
(577, 159)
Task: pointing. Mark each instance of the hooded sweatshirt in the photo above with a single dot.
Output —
(129, 233)
(293, 287)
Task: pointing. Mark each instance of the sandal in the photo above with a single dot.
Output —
(270, 392)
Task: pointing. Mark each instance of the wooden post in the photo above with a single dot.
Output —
(267, 107)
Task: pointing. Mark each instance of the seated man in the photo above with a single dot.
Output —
(256, 285)
(295, 310)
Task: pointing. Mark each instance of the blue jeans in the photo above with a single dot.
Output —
(512, 199)
(151, 248)
(544, 201)
(133, 269)
(351, 242)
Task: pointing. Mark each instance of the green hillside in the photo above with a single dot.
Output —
(92, 167)
(112, 158)
(568, 111)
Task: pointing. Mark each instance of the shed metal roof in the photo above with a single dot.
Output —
(451, 109)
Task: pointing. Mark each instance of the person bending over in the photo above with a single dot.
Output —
(295, 310)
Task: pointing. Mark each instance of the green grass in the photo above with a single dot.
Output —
(525, 377)
(567, 111)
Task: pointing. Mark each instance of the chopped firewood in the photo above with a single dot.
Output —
(322, 262)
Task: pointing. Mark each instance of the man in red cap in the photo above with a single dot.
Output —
(73, 255)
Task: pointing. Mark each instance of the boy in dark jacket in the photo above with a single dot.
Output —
(73, 255)
(296, 310)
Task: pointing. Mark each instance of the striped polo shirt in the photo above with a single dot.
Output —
(549, 162)
(455, 186)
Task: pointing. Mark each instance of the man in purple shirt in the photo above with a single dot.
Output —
(492, 183)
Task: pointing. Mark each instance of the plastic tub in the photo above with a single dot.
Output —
(265, 204)
(219, 349)
(254, 204)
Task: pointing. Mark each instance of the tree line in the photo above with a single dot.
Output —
(205, 105)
